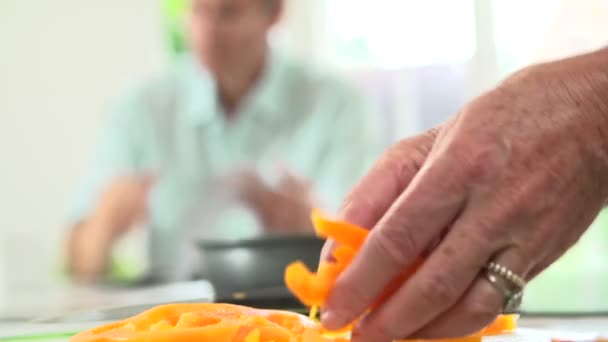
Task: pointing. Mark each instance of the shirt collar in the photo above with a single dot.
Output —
(268, 95)
(197, 91)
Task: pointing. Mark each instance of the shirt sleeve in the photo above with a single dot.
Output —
(354, 140)
(117, 152)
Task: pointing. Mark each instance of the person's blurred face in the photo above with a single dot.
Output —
(224, 33)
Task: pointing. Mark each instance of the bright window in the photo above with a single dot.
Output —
(389, 33)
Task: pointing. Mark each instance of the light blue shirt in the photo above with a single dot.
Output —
(173, 127)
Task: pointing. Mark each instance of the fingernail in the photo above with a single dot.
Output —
(332, 320)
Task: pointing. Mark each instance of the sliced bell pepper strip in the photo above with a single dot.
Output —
(343, 233)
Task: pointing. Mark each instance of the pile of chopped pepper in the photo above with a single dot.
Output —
(208, 322)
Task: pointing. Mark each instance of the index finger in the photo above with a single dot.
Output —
(369, 200)
(421, 213)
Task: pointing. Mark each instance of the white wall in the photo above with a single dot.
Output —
(60, 63)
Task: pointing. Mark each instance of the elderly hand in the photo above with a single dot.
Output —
(516, 178)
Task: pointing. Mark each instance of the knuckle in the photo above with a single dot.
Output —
(479, 161)
(394, 243)
(525, 197)
(401, 169)
(481, 233)
(418, 147)
(438, 290)
(408, 155)
(487, 230)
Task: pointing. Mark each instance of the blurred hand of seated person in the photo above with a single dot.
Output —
(284, 208)
(232, 100)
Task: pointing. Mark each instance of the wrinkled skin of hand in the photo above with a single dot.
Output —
(516, 177)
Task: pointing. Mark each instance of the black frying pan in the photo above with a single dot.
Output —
(250, 272)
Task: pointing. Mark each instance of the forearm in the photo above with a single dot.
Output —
(90, 245)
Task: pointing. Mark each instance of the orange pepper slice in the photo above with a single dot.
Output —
(343, 233)
(313, 288)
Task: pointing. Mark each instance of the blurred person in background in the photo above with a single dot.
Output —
(234, 122)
